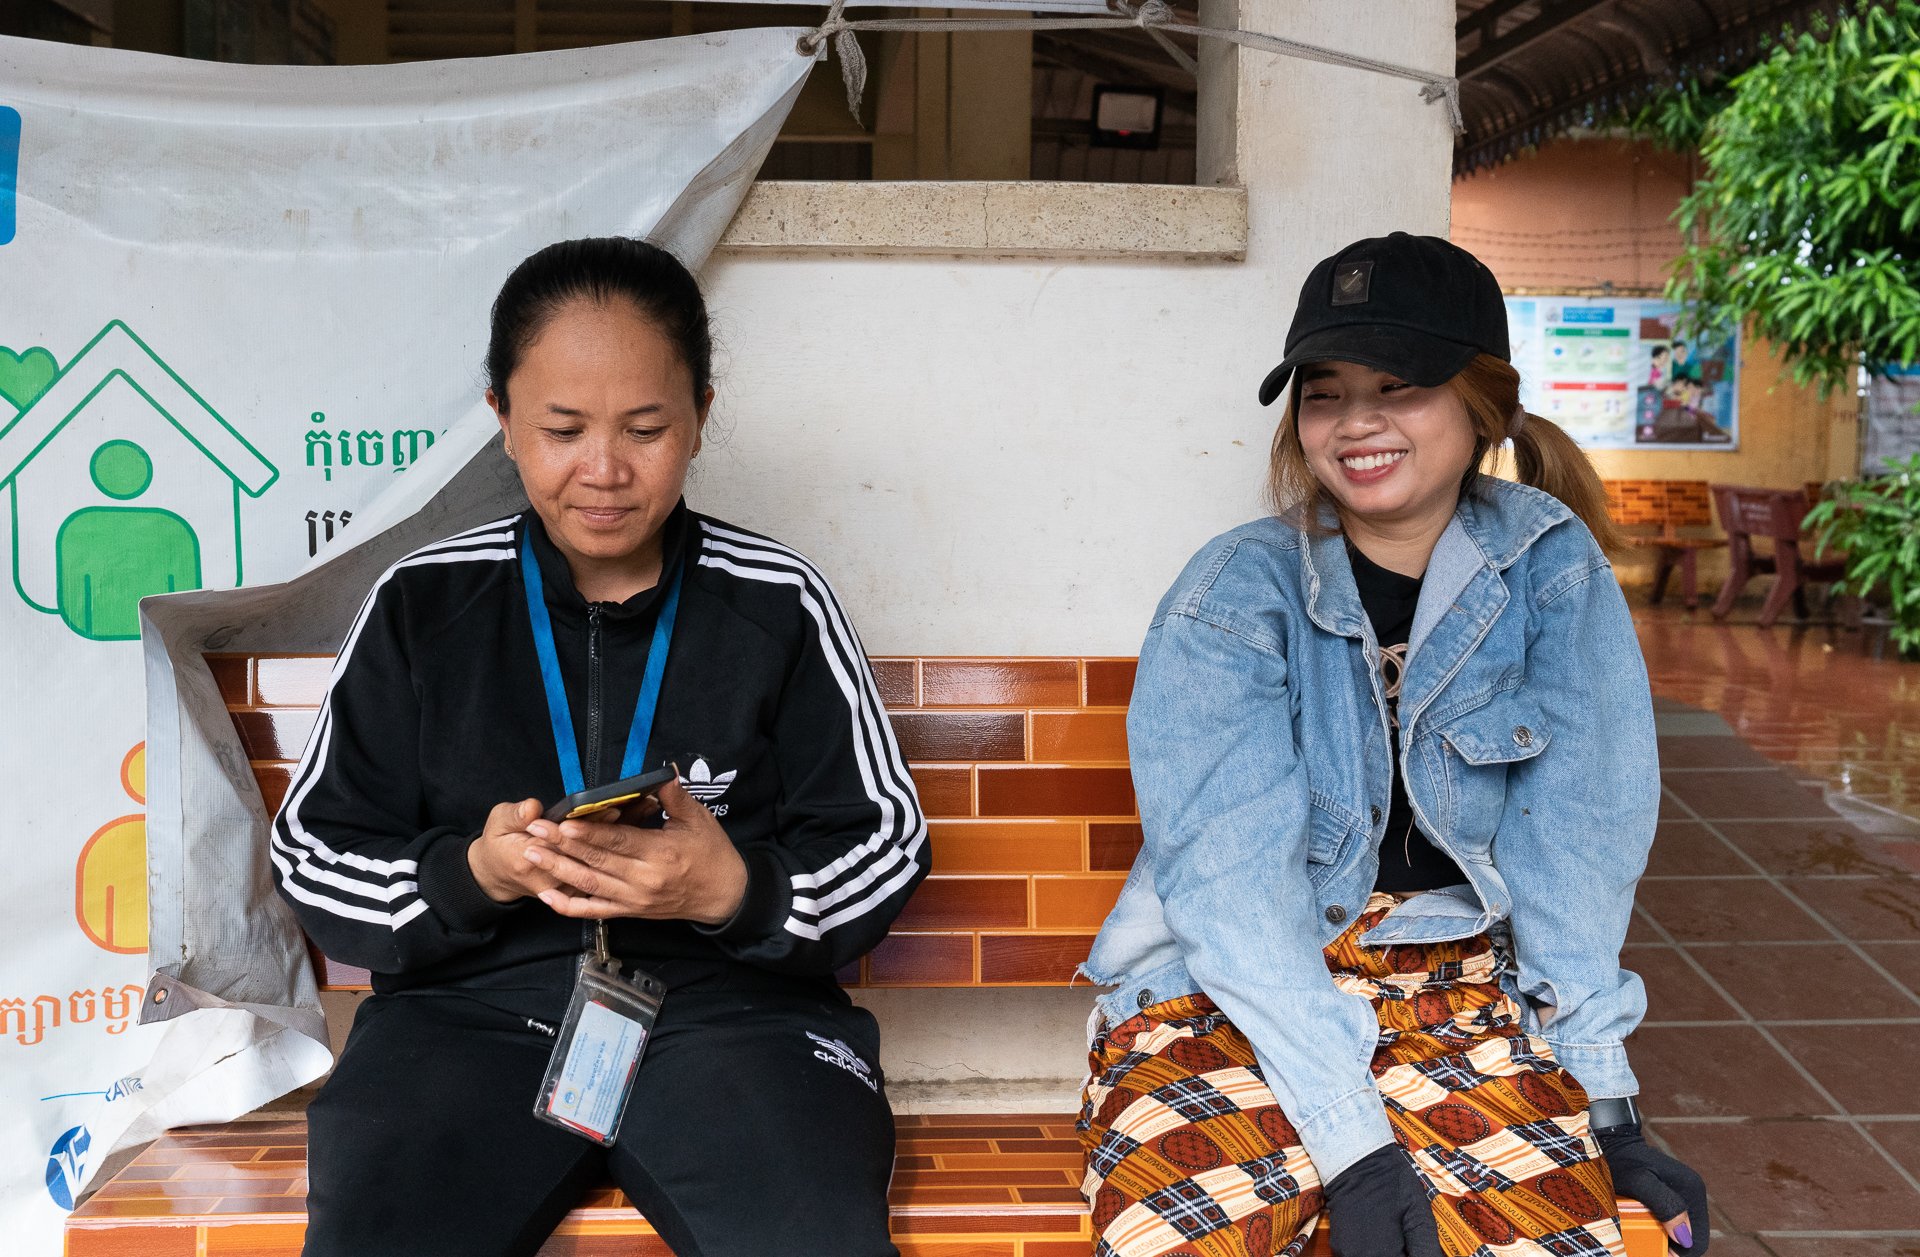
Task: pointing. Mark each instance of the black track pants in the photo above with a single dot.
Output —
(746, 1133)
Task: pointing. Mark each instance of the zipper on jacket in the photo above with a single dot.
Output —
(591, 769)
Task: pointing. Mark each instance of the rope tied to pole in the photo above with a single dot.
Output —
(1156, 17)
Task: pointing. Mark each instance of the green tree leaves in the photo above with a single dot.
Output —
(1804, 222)
(1876, 524)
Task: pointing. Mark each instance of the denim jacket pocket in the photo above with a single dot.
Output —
(1510, 728)
(1484, 745)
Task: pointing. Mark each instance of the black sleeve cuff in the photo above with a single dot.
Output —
(447, 884)
(764, 908)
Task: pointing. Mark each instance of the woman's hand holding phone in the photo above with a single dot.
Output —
(598, 868)
(498, 857)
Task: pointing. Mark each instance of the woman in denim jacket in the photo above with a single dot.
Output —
(1394, 751)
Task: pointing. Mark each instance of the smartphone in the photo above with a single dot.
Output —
(613, 794)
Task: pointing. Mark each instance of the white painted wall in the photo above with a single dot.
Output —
(1010, 457)
(1007, 457)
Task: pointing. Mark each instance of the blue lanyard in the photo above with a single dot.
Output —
(632, 763)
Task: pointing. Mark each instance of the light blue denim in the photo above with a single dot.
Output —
(1259, 740)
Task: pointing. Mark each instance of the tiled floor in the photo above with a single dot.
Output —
(1780, 943)
(1834, 705)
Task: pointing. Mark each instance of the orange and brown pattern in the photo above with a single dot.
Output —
(1188, 1154)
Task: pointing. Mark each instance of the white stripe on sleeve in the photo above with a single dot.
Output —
(310, 868)
(866, 876)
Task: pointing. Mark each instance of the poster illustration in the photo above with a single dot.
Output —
(1616, 374)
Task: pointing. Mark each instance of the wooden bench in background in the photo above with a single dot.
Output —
(1750, 515)
(1022, 768)
(1666, 517)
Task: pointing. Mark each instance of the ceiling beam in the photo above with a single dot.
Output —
(1484, 20)
(1743, 44)
(1653, 58)
(1552, 17)
(1102, 69)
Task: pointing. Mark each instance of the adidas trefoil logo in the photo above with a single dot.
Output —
(839, 1055)
(700, 782)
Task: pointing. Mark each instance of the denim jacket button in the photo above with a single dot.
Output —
(1376, 813)
(1146, 999)
(1336, 914)
(1522, 736)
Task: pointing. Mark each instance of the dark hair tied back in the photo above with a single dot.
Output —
(599, 269)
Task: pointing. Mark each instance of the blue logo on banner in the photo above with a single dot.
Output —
(1587, 314)
(9, 168)
(67, 1164)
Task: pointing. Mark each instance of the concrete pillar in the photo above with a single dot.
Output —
(1217, 106)
(1379, 160)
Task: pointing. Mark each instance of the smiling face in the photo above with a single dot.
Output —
(602, 424)
(1392, 455)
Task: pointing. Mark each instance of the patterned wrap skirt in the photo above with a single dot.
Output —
(1189, 1155)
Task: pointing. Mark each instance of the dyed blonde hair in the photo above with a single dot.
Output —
(1544, 456)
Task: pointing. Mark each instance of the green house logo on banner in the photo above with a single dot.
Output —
(121, 482)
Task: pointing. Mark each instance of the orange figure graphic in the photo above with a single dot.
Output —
(110, 880)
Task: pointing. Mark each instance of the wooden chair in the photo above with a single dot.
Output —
(1752, 514)
(1667, 507)
(1021, 766)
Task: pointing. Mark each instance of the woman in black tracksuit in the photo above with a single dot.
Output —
(411, 842)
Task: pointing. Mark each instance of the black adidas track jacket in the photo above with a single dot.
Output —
(435, 713)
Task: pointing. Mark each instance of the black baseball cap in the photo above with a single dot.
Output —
(1416, 306)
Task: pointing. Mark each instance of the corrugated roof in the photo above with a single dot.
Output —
(1532, 69)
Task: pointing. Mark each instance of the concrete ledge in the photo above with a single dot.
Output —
(1046, 220)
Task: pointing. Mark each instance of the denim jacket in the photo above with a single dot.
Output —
(1259, 736)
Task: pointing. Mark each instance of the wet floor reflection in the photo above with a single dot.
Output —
(1835, 705)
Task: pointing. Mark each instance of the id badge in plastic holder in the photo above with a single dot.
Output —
(590, 1074)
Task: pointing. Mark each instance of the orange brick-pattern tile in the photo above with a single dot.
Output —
(964, 1185)
(1635, 501)
(1664, 503)
(1021, 765)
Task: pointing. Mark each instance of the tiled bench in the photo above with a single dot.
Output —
(1666, 507)
(1022, 768)
(988, 1185)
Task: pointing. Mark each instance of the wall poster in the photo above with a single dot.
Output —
(1614, 374)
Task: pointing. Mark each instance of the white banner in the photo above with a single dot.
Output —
(242, 317)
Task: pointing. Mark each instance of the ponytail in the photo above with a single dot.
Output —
(1544, 456)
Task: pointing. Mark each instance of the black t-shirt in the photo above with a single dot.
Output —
(1408, 860)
